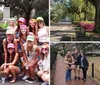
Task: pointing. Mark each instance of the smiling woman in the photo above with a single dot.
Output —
(26, 23)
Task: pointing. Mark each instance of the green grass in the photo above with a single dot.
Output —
(96, 61)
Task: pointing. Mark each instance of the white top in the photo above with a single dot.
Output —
(31, 54)
(12, 28)
(43, 35)
(44, 64)
(82, 62)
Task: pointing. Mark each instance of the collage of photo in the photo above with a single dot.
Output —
(49, 42)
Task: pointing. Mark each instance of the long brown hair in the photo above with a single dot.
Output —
(32, 29)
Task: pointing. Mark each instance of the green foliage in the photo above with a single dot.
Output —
(54, 49)
(43, 14)
(77, 10)
(81, 10)
(1, 15)
(58, 11)
(78, 28)
(97, 30)
(4, 25)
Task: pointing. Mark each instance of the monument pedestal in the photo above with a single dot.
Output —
(6, 14)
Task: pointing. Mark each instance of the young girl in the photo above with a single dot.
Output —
(84, 65)
(6, 41)
(43, 72)
(43, 33)
(33, 27)
(69, 60)
(12, 25)
(30, 55)
(12, 64)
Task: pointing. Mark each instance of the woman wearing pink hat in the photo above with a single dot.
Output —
(21, 21)
(22, 37)
(9, 39)
(12, 64)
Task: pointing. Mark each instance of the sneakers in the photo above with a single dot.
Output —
(45, 83)
(84, 80)
(78, 78)
(30, 80)
(25, 77)
(75, 77)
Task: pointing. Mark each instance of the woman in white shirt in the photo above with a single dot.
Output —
(44, 64)
(12, 25)
(30, 55)
(43, 32)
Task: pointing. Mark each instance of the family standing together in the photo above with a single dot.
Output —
(26, 51)
(76, 61)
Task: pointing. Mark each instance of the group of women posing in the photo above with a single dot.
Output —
(76, 61)
(26, 50)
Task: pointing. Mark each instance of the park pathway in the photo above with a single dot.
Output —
(59, 78)
(20, 82)
(59, 30)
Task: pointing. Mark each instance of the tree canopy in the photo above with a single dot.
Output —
(80, 10)
(24, 8)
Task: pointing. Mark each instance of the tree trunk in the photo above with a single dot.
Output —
(79, 17)
(97, 18)
(28, 16)
(85, 16)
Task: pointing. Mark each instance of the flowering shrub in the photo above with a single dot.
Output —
(86, 26)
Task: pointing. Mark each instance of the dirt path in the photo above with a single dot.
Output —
(60, 75)
(59, 30)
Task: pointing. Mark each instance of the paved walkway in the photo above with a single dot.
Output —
(20, 82)
(57, 31)
(60, 75)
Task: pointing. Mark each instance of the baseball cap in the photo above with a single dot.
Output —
(30, 38)
(39, 19)
(23, 26)
(9, 32)
(22, 20)
(12, 19)
(10, 45)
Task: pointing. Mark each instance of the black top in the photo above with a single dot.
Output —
(85, 62)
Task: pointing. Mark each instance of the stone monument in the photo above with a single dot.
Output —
(6, 13)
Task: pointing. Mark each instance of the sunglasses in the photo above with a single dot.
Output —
(44, 49)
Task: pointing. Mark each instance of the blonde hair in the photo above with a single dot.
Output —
(45, 44)
(32, 20)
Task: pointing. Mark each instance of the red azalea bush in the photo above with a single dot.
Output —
(87, 26)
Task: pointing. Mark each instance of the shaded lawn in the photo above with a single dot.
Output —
(96, 61)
